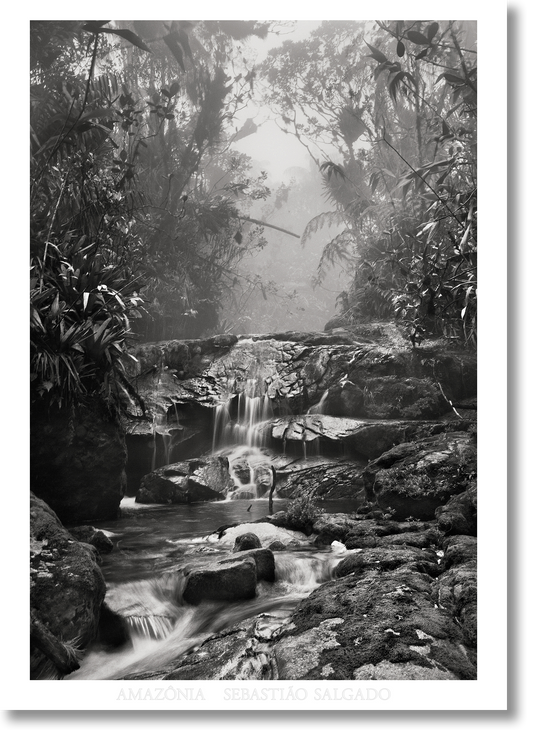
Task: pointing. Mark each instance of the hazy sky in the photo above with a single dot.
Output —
(273, 150)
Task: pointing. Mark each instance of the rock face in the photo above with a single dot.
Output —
(374, 625)
(414, 479)
(359, 438)
(300, 367)
(367, 372)
(191, 481)
(78, 464)
(67, 586)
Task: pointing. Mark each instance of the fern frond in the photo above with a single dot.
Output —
(324, 219)
(337, 251)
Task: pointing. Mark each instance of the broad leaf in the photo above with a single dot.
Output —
(431, 30)
(130, 36)
(376, 54)
(418, 38)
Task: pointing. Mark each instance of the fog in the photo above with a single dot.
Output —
(293, 301)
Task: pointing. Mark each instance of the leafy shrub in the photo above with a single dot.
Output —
(302, 512)
(80, 303)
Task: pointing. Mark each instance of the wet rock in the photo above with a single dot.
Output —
(246, 541)
(90, 535)
(387, 558)
(455, 590)
(332, 528)
(66, 585)
(238, 653)
(191, 481)
(413, 479)
(394, 614)
(362, 438)
(459, 514)
(267, 533)
(297, 368)
(112, 628)
(165, 485)
(78, 463)
(228, 580)
(322, 480)
(264, 562)
(376, 624)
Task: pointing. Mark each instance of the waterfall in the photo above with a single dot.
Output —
(304, 572)
(251, 472)
(235, 430)
(162, 427)
(321, 406)
(236, 419)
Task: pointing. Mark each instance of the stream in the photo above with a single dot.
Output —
(153, 543)
(145, 582)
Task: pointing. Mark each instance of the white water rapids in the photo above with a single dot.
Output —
(153, 544)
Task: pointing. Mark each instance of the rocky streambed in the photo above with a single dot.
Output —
(386, 590)
(389, 600)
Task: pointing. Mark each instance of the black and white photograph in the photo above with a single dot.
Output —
(253, 395)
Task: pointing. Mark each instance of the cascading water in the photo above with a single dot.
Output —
(153, 544)
(163, 628)
(160, 427)
(236, 432)
(321, 406)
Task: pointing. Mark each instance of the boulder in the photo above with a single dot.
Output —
(377, 624)
(267, 533)
(78, 462)
(227, 580)
(90, 535)
(322, 480)
(459, 515)
(190, 481)
(246, 541)
(387, 558)
(66, 585)
(264, 562)
(113, 630)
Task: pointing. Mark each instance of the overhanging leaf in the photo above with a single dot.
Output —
(176, 49)
(431, 30)
(418, 38)
(376, 54)
(130, 36)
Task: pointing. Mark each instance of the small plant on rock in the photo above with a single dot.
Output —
(302, 512)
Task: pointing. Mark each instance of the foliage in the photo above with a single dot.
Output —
(403, 122)
(453, 477)
(79, 325)
(302, 512)
(127, 128)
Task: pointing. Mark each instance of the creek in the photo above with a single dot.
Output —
(145, 582)
(153, 543)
